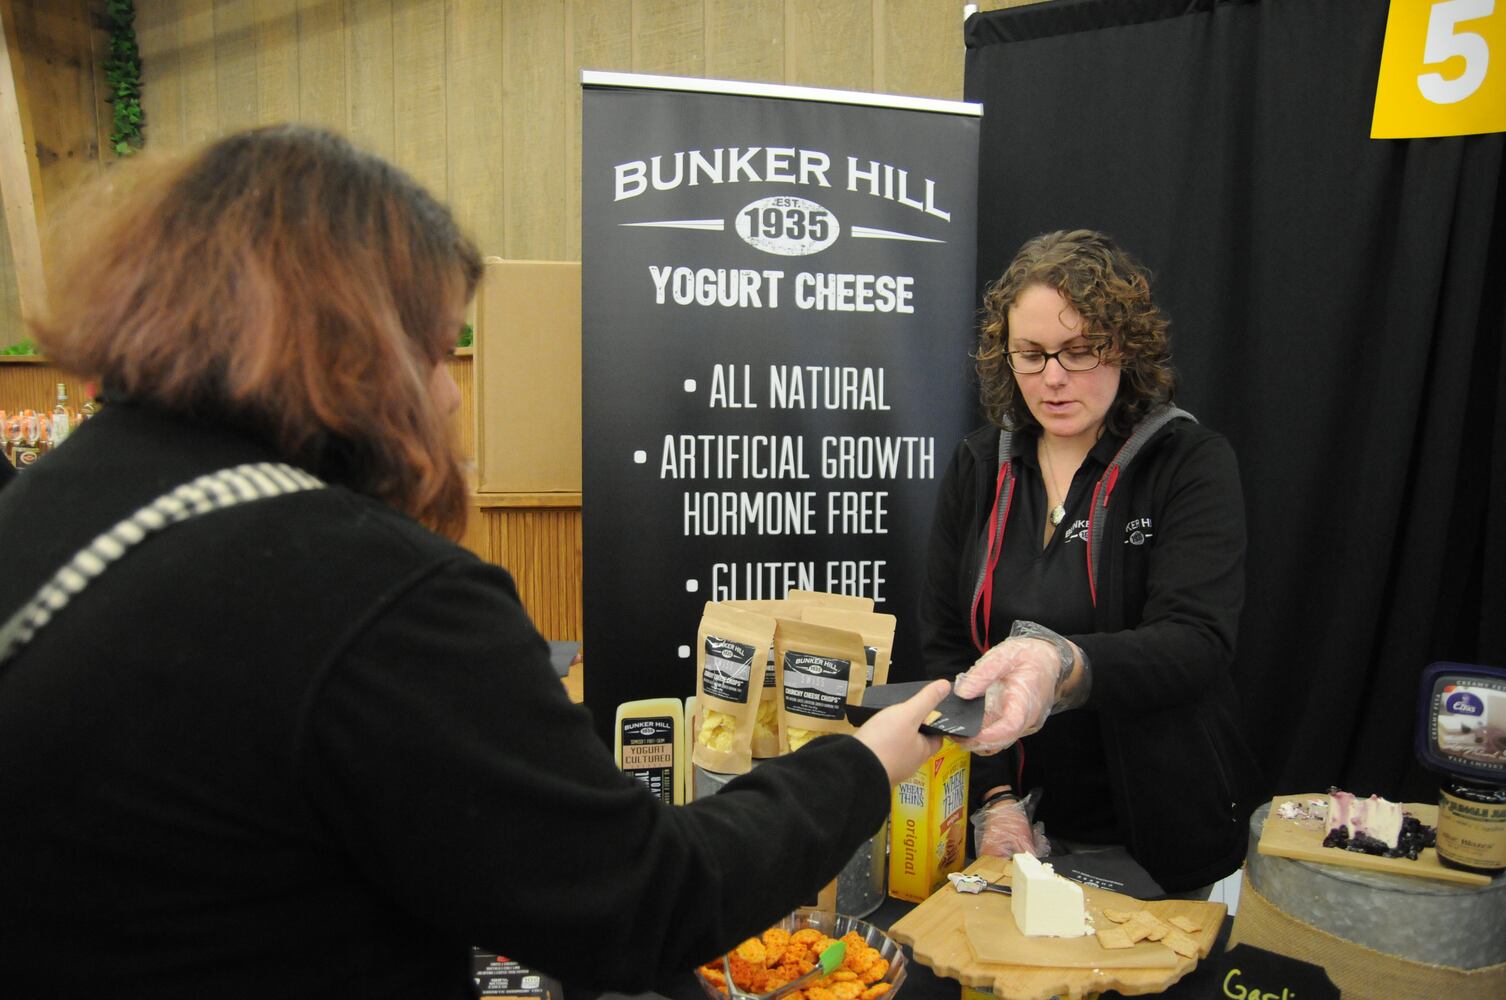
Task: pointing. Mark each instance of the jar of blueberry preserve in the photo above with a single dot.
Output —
(1472, 826)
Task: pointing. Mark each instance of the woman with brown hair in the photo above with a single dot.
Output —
(264, 733)
(1086, 573)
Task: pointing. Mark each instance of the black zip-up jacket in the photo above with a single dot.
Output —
(304, 747)
(1168, 575)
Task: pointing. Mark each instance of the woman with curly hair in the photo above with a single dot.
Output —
(1086, 574)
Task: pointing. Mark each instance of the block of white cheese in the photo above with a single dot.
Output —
(1044, 903)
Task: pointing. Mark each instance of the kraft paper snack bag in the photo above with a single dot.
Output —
(766, 720)
(766, 728)
(766, 724)
(820, 671)
(774, 609)
(732, 652)
(848, 601)
(876, 629)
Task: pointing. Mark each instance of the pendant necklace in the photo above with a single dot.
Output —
(1060, 510)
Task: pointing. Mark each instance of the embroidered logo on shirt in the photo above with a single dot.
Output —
(1077, 532)
(1138, 532)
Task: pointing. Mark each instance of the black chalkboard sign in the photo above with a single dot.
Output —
(1245, 972)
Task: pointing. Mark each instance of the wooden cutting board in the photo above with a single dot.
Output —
(937, 933)
(1302, 840)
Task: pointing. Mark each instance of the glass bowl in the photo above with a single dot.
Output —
(834, 926)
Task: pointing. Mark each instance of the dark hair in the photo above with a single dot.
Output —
(282, 280)
(1111, 291)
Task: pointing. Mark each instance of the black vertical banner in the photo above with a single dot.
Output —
(777, 299)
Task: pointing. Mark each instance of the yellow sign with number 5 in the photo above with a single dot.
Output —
(1443, 70)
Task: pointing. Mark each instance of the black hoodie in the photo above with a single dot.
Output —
(1167, 572)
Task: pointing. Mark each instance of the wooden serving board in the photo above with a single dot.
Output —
(937, 933)
(1302, 840)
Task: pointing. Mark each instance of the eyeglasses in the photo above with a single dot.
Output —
(1082, 358)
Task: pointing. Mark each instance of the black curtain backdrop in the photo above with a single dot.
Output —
(1338, 305)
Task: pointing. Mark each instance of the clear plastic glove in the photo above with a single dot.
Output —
(1002, 827)
(1021, 681)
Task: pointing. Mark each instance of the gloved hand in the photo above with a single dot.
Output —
(1003, 827)
(1021, 681)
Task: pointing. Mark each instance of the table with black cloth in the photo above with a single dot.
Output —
(923, 984)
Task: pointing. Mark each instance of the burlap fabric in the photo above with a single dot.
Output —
(1359, 972)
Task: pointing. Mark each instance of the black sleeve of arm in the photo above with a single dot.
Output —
(443, 752)
(1194, 593)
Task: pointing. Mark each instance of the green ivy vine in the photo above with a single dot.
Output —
(123, 77)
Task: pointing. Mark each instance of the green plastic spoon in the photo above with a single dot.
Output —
(829, 961)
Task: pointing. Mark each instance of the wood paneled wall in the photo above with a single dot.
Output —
(479, 99)
(541, 548)
(58, 77)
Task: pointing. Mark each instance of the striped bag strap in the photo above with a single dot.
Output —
(210, 492)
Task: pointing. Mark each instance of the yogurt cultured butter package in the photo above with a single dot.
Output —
(649, 743)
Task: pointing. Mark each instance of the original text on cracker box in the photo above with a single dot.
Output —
(928, 824)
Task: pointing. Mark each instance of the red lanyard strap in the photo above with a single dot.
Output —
(993, 545)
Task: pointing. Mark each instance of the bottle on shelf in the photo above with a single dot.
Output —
(62, 423)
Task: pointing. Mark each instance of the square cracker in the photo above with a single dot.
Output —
(1141, 925)
(1185, 923)
(1118, 916)
(1181, 944)
(1114, 937)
